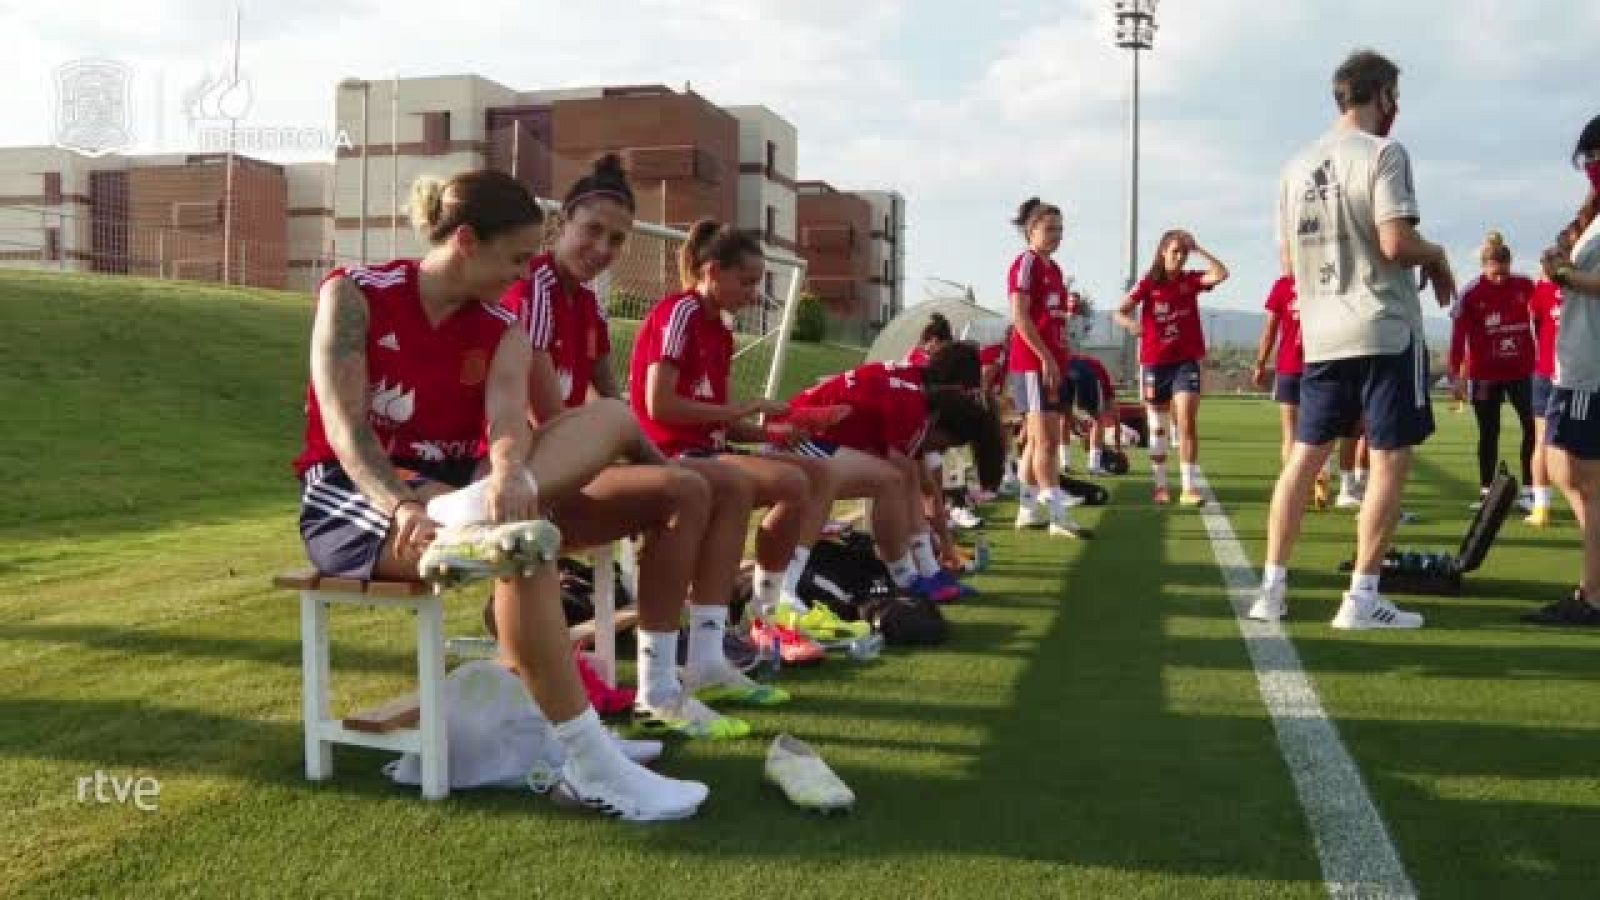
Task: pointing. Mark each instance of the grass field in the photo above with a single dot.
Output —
(1093, 729)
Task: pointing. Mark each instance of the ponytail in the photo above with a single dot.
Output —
(712, 241)
(1031, 211)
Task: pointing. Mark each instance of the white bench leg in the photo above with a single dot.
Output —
(314, 684)
(605, 616)
(435, 751)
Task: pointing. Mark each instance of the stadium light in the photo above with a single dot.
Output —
(1136, 32)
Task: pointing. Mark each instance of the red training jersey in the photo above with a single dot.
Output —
(1040, 280)
(571, 329)
(1546, 310)
(1169, 319)
(888, 409)
(1285, 307)
(683, 330)
(1493, 330)
(425, 383)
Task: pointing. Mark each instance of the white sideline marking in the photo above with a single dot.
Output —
(1358, 858)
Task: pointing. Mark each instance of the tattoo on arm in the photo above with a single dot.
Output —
(339, 375)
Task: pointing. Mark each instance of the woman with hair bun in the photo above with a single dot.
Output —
(668, 505)
(1492, 355)
(413, 363)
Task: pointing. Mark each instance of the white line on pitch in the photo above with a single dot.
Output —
(1358, 857)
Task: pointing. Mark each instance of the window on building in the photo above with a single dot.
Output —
(52, 244)
(52, 188)
(888, 277)
(436, 133)
(772, 225)
(772, 159)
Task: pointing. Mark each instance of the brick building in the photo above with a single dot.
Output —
(162, 216)
(835, 235)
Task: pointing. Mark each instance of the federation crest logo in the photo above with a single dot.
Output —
(93, 107)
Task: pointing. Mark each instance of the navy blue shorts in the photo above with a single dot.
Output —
(1081, 388)
(1543, 390)
(1161, 382)
(1287, 389)
(815, 449)
(342, 530)
(1389, 393)
(713, 452)
(1573, 424)
(1029, 396)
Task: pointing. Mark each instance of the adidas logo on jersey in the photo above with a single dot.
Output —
(1492, 320)
(389, 342)
(565, 376)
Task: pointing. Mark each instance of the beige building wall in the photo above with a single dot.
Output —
(768, 164)
(428, 127)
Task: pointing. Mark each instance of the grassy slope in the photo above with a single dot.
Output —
(1093, 731)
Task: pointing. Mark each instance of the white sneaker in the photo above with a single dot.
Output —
(1029, 517)
(629, 791)
(1360, 612)
(804, 778)
(1066, 526)
(1347, 500)
(1071, 499)
(964, 518)
(1271, 603)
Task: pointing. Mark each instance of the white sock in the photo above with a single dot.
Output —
(1541, 497)
(1064, 456)
(591, 751)
(1361, 478)
(706, 627)
(903, 571)
(1055, 500)
(1272, 575)
(1187, 470)
(1363, 584)
(1094, 457)
(1030, 496)
(658, 666)
(1347, 481)
(790, 590)
(923, 556)
(1158, 470)
(469, 504)
(768, 590)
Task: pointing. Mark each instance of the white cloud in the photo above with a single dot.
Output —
(967, 110)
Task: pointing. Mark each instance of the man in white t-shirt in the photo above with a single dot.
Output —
(1347, 233)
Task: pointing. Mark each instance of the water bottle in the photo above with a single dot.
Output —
(774, 656)
(980, 554)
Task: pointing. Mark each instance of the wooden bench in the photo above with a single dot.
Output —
(414, 723)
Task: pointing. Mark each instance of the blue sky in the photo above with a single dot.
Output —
(967, 109)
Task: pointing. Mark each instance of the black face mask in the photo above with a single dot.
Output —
(1386, 122)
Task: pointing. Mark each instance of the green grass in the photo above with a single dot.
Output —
(1093, 729)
